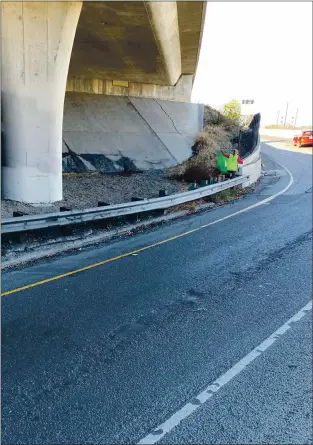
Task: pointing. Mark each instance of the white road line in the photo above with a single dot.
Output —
(180, 415)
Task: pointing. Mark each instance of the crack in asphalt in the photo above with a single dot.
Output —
(248, 274)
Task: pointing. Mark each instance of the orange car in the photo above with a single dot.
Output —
(305, 138)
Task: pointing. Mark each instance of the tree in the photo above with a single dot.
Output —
(232, 110)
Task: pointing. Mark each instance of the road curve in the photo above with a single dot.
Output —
(113, 353)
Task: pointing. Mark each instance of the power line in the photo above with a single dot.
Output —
(295, 122)
(286, 114)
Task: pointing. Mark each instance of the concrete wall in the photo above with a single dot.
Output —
(181, 92)
(101, 132)
(252, 166)
(37, 39)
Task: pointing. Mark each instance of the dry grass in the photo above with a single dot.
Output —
(219, 134)
(229, 194)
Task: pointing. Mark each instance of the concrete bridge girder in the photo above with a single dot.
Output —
(141, 41)
(45, 45)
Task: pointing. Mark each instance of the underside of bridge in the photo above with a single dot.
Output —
(152, 43)
(83, 53)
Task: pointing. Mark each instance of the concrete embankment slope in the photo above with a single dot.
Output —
(110, 133)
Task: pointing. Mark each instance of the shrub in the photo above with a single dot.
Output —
(232, 110)
(220, 133)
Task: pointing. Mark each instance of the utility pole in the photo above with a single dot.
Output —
(286, 115)
(295, 121)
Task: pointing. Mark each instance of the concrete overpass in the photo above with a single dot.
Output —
(91, 51)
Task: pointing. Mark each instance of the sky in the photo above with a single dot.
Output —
(260, 51)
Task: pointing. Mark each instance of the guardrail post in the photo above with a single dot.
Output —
(135, 217)
(66, 230)
(65, 209)
(17, 214)
(136, 198)
(192, 186)
(160, 212)
(115, 212)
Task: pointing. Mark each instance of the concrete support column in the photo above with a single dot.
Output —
(37, 40)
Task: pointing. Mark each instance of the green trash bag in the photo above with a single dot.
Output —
(221, 163)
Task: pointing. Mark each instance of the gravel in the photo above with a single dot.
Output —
(85, 190)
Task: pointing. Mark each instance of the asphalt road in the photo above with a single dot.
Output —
(109, 354)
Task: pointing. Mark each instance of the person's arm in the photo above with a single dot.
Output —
(240, 161)
(225, 154)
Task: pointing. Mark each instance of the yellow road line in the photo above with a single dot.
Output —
(150, 246)
(91, 266)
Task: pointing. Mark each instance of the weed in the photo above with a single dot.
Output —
(220, 133)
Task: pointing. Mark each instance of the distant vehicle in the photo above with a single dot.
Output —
(305, 138)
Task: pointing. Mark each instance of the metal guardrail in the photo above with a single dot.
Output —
(47, 220)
